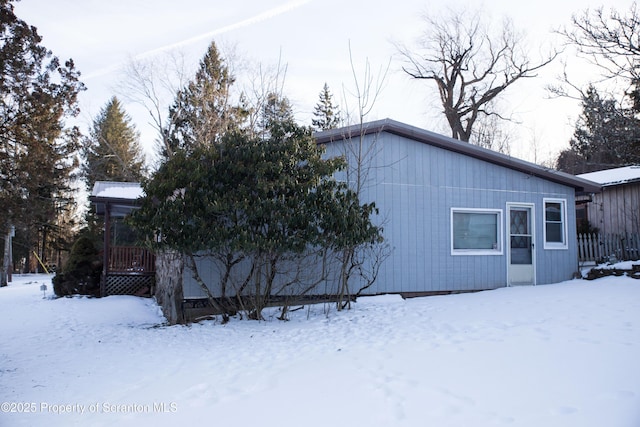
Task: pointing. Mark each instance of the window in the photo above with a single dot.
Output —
(555, 224)
(476, 231)
(582, 218)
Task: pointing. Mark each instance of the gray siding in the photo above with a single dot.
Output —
(294, 278)
(616, 209)
(415, 185)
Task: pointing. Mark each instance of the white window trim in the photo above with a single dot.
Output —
(497, 251)
(565, 229)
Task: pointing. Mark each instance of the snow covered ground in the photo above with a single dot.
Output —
(558, 355)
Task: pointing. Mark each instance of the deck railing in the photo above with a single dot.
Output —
(131, 260)
(608, 247)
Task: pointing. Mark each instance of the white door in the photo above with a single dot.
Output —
(521, 268)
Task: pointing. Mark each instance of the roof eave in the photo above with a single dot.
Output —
(114, 200)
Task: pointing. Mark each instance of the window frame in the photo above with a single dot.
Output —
(563, 221)
(482, 252)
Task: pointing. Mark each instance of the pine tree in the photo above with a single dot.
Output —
(327, 115)
(113, 151)
(202, 112)
(37, 149)
(275, 112)
(606, 136)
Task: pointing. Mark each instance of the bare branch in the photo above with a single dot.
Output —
(469, 65)
(152, 84)
(610, 41)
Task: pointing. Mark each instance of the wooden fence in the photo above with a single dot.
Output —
(601, 248)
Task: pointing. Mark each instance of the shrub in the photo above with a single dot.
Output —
(81, 275)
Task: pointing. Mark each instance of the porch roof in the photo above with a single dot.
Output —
(119, 197)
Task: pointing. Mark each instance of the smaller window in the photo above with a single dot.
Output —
(555, 224)
(476, 231)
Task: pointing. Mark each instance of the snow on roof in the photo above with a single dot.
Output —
(117, 190)
(614, 176)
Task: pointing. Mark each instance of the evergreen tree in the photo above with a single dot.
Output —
(634, 95)
(268, 202)
(202, 112)
(275, 112)
(327, 115)
(113, 151)
(570, 161)
(606, 136)
(37, 149)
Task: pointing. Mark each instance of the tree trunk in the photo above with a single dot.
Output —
(191, 263)
(344, 278)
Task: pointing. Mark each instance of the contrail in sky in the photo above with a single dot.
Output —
(271, 13)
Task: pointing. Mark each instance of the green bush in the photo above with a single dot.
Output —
(81, 275)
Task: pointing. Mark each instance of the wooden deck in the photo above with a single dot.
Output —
(130, 270)
(131, 260)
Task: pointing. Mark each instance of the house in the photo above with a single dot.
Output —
(615, 210)
(457, 217)
(127, 268)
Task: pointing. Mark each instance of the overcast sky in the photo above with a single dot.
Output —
(312, 38)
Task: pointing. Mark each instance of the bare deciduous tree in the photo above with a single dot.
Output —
(470, 65)
(360, 263)
(609, 40)
(152, 84)
(366, 90)
(262, 83)
(488, 133)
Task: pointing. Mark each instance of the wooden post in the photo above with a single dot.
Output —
(5, 263)
(105, 255)
(12, 234)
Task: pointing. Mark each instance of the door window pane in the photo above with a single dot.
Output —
(520, 239)
(521, 250)
(519, 222)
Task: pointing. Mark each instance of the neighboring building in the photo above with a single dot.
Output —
(615, 210)
(127, 268)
